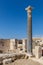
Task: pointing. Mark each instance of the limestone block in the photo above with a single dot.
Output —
(33, 51)
(38, 51)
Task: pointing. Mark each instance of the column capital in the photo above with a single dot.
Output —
(29, 9)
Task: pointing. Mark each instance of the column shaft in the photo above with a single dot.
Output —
(29, 33)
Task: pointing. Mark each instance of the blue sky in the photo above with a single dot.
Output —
(13, 18)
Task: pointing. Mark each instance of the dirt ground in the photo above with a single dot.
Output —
(24, 62)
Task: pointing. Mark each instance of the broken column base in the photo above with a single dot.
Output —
(38, 52)
(29, 55)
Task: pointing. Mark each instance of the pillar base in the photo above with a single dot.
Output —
(29, 55)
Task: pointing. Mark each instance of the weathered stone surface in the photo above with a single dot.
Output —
(38, 52)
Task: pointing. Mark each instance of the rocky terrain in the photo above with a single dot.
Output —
(17, 59)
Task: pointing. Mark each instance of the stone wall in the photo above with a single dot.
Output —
(4, 45)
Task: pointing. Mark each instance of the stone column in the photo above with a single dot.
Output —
(23, 41)
(29, 30)
(12, 44)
